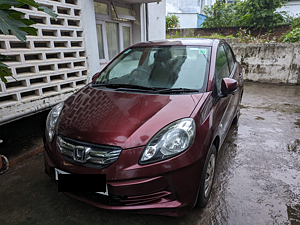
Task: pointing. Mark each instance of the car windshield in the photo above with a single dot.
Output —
(162, 67)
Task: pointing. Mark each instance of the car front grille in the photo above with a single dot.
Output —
(87, 154)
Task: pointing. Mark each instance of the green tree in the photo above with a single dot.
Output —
(172, 22)
(259, 14)
(221, 14)
(255, 14)
(11, 21)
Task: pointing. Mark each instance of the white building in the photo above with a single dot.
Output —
(66, 53)
(292, 8)
(190, 12)
(188, 6)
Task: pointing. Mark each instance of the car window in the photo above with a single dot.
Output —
(125, 66)
(230, 57)
(151, 58)
(160, 67)
(222, 69)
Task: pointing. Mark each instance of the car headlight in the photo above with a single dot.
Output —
(169, 141)
(52, 119)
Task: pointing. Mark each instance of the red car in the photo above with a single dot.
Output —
(152, 123)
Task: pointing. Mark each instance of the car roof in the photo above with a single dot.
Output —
(178, 42)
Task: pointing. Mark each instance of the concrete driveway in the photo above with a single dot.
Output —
(257, 178)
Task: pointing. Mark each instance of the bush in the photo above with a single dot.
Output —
(295, 22)
(172, 22)
(292, 36)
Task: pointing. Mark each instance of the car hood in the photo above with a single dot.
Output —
(121, 119)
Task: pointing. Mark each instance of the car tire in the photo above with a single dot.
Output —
(237, 116)
(207, 177)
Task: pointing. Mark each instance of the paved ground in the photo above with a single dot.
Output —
(257, 178)
(22, 137)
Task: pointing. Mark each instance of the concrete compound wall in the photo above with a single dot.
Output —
(268, 62)
(271, 63)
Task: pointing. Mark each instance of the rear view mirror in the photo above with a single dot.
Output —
(228, 86)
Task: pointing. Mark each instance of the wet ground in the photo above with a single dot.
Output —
(257, 177)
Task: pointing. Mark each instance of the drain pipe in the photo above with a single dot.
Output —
(147, 22)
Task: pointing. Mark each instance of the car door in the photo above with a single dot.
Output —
(234, 74)
(224, 105)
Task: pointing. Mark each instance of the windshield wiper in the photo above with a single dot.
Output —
(130, 87)
(124, 87)
(177, 90)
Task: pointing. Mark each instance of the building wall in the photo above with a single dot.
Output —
(157, 20)
(186, 20)
(191, 6)
(49, 67)
(90, 37)
(138, 26)
(188, 6)
(292, 8)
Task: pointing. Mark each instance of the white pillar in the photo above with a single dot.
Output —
(90, 36)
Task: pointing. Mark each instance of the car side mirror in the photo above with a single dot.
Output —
(228, 86)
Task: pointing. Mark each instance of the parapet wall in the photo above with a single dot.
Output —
(271, 63)
(268, 62)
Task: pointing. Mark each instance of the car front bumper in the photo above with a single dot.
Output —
(168, 188)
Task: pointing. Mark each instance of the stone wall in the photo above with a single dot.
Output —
(271, 63)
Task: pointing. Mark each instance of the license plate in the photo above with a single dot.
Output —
(58, 171)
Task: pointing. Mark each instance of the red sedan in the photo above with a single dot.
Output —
(148, 127)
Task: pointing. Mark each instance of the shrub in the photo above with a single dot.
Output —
(172, 22)
(292, 36)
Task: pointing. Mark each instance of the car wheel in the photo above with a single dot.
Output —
(207, 177)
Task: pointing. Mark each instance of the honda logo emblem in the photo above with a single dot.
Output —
(80, 154)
